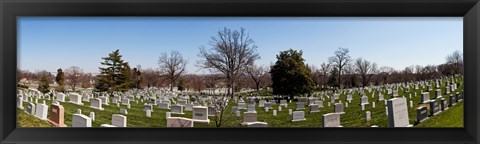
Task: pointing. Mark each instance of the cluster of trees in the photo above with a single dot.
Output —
(291, 76)
(342, 71)
(231, 56)
(72, 77)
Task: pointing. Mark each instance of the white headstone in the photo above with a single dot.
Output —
(105, 100)
(398, 113)
(148, 113)
(96, 103)
(119, 120)
(20, 102)
(249, 117)
(425, 97)
(41, 111)
(386, 110)
(339, 108)
(79, 120)
(241, 106)
(163, 105)
(314, 108)
(61, 97)
(177, 109)
(168, 114)
(298, 116)
(368, 116)
(123, 111)
(200, 114)
(364, 100)
(188, 107)
(75, 98)
(92, 116)
(331, 120)
(251, 108)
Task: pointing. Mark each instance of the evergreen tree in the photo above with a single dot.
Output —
(126, 82)
(44, 85)
(60, 79)
(290, 75)
(115, 76)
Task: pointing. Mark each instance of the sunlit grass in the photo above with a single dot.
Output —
(354, 116)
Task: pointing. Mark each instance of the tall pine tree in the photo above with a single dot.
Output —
(115, 75)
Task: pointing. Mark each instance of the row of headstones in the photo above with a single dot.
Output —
(436, 106)
(394, 93)
(57, 113)
(397, 107)
(80, 120)
(338, 109)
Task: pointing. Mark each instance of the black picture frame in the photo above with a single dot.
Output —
(11, 9)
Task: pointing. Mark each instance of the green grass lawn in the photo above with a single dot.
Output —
(26, 120)
(354, 116)
(453, 117)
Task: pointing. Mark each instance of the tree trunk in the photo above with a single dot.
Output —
(339, 78)
(233, 89)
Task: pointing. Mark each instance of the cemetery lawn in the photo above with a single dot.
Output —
(26, 120)
(453, 117)
(354, 116)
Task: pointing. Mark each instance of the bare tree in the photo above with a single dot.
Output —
(384, 73)
(430, 71)
(86, 80)
(325, 68)
(340, 59)
(258, 74)
(366, 69)
(316, 75)
(349, 74)
(221, 107)
(173, 66)
(151, 77)
(456, 61)
(73, 75)
(407, 73)
(419, 72)
(445, 69)
(231, 53)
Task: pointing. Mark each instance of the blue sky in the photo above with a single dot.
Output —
(49, 43)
